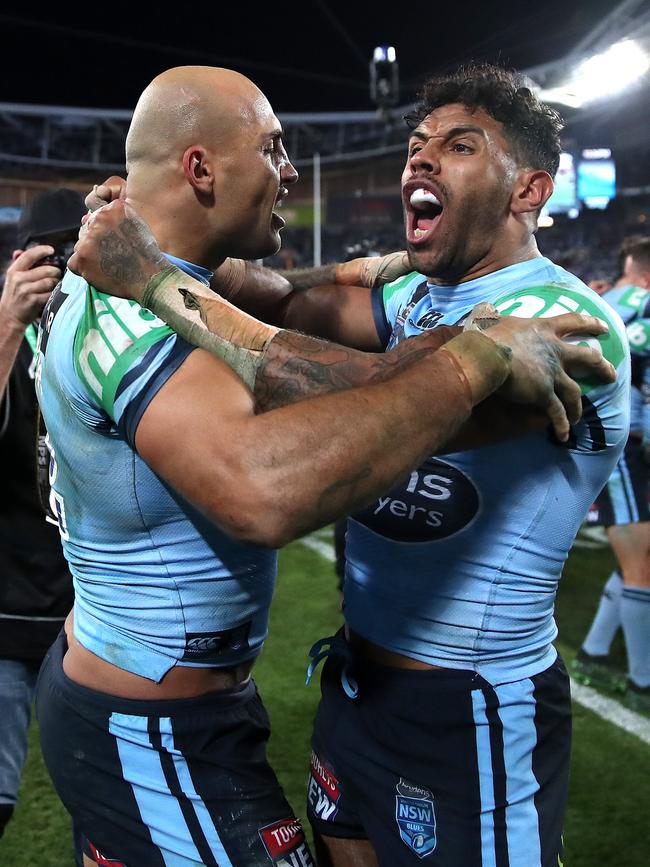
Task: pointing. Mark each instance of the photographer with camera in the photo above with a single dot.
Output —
(35, 584)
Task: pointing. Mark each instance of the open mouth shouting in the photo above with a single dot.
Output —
(423, 208)
(276, 220)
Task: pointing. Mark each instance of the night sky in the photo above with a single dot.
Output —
(306, 56)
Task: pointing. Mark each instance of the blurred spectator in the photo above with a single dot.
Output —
(635, 262)
(623, 507)
(35, 585)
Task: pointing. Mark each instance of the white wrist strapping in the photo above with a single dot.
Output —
(205, 319)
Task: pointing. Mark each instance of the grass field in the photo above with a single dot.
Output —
(608, 819)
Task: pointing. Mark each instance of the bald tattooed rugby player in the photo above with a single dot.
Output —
(193, 472)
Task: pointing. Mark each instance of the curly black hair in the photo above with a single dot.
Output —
(531, 128)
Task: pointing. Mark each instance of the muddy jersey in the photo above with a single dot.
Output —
(632, 303)
(458, 565)
(156, 584)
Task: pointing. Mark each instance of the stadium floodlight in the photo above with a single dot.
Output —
(384, 52)
(384, 77)
(602, 75)
(610, 72)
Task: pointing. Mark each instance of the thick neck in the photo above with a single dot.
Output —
(516, 244)
(179, 225)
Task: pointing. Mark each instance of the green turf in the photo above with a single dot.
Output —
(39, 834)
(607, 819)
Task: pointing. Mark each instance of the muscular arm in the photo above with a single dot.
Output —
(309, 300)
(300, 367)
(119, 254)
(296, 366)
(272, 477)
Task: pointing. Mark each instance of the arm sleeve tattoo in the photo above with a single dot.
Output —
(280, 366)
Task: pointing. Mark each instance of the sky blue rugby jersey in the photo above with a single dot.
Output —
(458, 565)
(156, 583)
(632, 304)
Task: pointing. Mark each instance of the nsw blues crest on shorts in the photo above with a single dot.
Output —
(416, 818)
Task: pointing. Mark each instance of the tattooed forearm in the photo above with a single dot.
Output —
(296, 367)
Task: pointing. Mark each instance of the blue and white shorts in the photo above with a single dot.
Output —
(438, 767)
(160, 783)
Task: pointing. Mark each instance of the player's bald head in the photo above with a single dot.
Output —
(191, 105)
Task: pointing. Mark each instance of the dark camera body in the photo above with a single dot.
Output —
(59, 259)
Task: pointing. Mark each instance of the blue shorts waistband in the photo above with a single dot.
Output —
(217, 700)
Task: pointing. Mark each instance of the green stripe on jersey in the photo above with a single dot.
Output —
(555, 299)
(391, 288)
(112, 334)
(633, 297)
(638, 335)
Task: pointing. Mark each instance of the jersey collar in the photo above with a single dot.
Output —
(476, 290)
(196, 271)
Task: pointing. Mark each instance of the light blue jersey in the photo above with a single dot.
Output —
(458, 566)
(156, 584)
(632, 304)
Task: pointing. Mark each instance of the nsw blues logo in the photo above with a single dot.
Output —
(416, 818)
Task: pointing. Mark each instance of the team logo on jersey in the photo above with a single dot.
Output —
(416, 818)
(429, 320)
(285, 843)
(205, 646)
(323, 790)
(436, 501)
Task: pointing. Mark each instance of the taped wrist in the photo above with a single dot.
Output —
(229, 278)
(483, 364)
(205, 319)
(373, 270)
(481, 317)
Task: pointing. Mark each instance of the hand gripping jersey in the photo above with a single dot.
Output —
(156, 584)
(458, 566)
(632, 304)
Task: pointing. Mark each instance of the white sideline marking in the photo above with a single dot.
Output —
(612, 711)
(608, 709)
(325, 549)
(586, 543)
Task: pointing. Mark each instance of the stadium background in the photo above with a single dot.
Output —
(72, 78)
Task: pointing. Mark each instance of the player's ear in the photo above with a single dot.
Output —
(197, 169)
(532, 190)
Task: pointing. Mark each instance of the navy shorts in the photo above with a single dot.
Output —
(156, 783)
(438, 767)
(624, 499)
